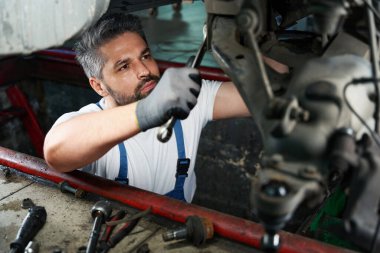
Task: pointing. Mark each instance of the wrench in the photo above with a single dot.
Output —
(33, 222)
(166, 130)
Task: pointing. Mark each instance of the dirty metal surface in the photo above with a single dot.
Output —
(69, 221)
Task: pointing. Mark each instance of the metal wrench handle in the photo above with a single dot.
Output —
(166, 130)
(33, 222)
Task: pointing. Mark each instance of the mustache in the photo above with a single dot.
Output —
(149, 78)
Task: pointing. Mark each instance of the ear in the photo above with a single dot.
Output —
(98, 86)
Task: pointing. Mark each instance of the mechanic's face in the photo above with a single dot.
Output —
(130, 73)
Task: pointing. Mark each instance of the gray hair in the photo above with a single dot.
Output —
(105, 29)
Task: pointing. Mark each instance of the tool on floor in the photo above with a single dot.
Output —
(133, 217)
(197, 231)
(27, 203)
(166, 130)
(33, 222)
(143, 240)
(107, 241)
(65, 187)
(32, 247)
(100, 212)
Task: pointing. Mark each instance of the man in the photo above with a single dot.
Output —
(116, 138)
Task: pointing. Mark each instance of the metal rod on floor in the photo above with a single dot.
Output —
(228, 226)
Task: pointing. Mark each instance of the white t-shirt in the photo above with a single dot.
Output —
(152, 165)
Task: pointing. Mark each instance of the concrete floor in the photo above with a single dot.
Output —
(69, 221)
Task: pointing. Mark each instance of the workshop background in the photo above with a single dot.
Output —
(228, 151)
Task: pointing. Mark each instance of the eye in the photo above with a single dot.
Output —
(146, 56)
(124, 67)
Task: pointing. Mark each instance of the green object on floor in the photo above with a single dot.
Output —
(329, 220)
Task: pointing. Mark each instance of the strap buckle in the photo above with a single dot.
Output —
(122, 180)
(183, 165)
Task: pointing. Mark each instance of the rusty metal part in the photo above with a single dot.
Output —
(197, 231)
(225, 225)
(65, 187)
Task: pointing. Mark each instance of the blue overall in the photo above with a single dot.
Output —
(183, 163)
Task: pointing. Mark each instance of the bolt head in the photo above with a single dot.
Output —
(244, 20)
(270, 242)
(275, 189)
(104, 207)
(62, 186)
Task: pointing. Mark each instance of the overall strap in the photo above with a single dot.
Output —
(123, 168)
(183, 164)
(98, 104)
(179, 139)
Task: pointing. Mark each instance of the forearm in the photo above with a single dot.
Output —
(85, 138)
(228, 103)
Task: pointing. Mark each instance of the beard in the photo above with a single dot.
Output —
(123, 99)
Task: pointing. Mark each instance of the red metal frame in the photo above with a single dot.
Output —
(29, 119)
(225, 225)
(13, 70)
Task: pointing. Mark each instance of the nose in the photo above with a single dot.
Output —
(142, 71)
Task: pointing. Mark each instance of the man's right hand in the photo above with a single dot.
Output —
(175, 95)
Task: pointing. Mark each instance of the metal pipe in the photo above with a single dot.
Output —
(234, 228)
(373, 42)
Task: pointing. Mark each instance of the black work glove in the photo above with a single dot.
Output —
(175, 95)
